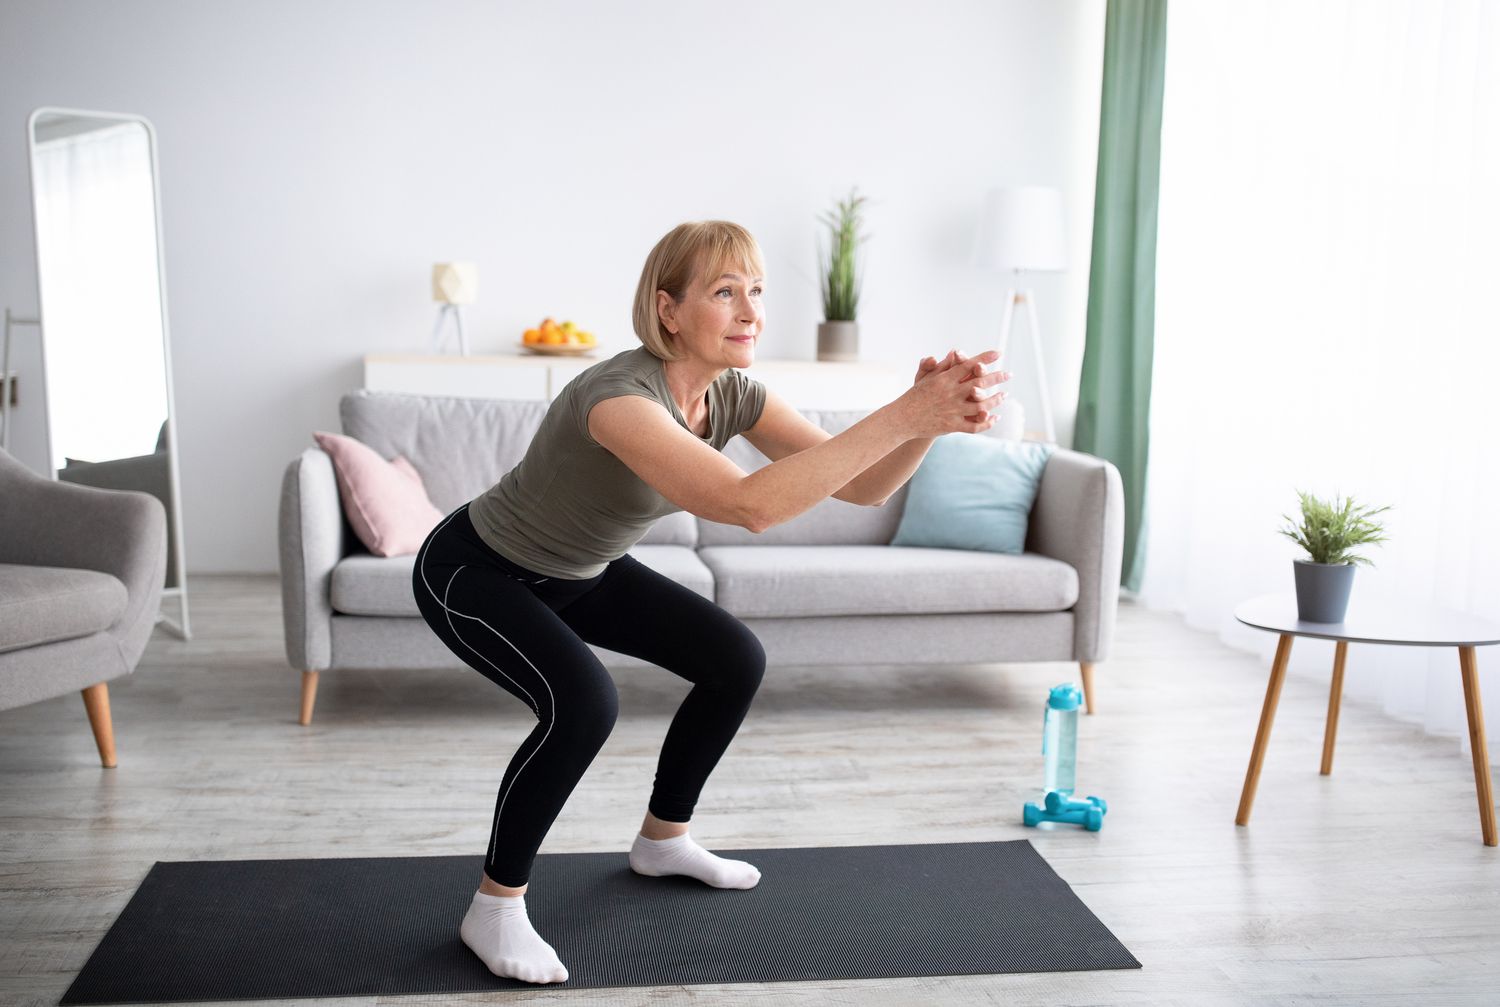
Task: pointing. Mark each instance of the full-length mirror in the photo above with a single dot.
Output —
(106, 354)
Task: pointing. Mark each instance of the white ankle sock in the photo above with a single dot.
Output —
(680, 855)
(497, 929)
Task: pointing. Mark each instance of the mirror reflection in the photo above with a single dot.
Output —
(105, 356)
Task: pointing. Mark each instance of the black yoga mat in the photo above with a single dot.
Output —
(262, 929)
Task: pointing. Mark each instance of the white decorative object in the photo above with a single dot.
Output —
(1012, 423)
(453, 283)
(1021, 231)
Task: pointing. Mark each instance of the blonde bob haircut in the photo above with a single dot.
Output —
(709, 247)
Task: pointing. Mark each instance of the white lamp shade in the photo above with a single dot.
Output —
(1021, 228)
(455, 282)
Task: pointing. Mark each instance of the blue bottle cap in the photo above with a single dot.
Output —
(1065, 697)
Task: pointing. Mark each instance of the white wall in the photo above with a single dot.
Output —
(318, 157)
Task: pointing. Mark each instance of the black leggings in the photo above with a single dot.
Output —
(527, 633)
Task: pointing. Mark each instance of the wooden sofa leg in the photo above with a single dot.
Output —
(1086, 669)
(309, 695)
(96, 702)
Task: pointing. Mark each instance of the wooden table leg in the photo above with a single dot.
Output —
(1263, 732)
(1335, 693)
(1469, 667)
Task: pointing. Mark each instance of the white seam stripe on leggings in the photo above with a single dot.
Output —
(552, 719)
(422, 561)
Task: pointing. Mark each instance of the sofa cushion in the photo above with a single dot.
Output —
(45, 604)
(373, 585)
(461, 447)
(831, 522)
(376, 585)
(385, 501)
(762, 581)
(973, 493)
(679, 528)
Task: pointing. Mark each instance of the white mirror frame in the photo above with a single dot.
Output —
(181, 627)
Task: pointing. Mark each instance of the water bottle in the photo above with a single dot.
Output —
(1060, 756)
(1060, 739)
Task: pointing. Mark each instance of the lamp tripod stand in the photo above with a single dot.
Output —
(1013, 297)
(439, 340)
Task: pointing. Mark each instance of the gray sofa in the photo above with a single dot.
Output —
(823, 588)
(81, 574)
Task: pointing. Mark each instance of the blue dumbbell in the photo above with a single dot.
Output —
(1063, 808)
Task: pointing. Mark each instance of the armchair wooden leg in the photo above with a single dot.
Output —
(1469, 668)
(1335, 693)
(1263, 732)
(1086, 671)
(309, 695)
(96, 702)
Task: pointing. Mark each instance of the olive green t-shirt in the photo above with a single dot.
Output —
(570, 506)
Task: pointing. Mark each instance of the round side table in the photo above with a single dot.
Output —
(1406, 625)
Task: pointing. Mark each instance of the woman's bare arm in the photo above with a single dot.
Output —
(782, 431)
(695, 477)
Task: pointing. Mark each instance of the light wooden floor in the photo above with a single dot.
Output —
(1370, 886)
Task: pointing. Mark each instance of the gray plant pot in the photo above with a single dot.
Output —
(838, 340)
(1322, 590)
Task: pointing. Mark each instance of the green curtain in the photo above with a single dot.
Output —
(1114, 395)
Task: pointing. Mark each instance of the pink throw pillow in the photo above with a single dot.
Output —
(384, 500)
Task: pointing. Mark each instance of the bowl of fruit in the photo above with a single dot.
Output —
(565, 339)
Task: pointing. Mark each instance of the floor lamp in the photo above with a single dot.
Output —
(1021, 231)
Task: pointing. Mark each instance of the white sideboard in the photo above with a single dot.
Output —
(806, 384)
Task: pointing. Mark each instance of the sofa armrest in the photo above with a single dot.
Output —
(1079, 517)
(312, 541)
(118, 532)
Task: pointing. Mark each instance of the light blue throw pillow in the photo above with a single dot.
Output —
(973, 492)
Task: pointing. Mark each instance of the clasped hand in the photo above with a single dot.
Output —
(945, 396)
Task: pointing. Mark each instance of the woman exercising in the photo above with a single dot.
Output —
(519, 581)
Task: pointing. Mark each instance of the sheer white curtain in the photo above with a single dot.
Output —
(101, 301)
(1328, 253)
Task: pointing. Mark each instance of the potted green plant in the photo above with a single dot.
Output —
(1328, 531)
(838, 334)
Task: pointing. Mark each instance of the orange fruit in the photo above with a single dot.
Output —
(552, 337)
(531, 336)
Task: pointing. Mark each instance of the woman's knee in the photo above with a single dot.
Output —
(744, 664)
(587, 716)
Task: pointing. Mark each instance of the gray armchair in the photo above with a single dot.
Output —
(148, 473)
(81, 575)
